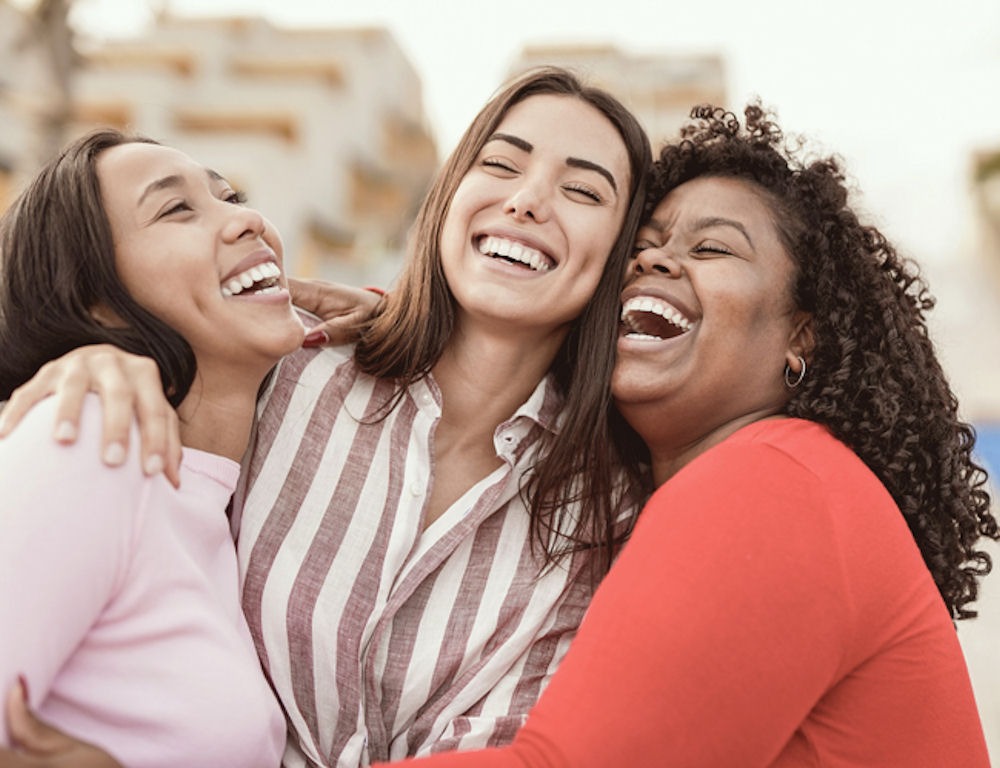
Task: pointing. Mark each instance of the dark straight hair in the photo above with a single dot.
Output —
(57, 263)
(579, 468)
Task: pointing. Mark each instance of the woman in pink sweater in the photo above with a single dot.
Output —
(119, 595)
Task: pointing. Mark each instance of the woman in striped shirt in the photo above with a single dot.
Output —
(423, 516)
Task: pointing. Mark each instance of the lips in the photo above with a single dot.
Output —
(257, 274)
(259, 279)
(652, 318)
(515, 252)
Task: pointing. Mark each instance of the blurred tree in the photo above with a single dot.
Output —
(51, 31)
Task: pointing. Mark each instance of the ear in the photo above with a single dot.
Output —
(106, 316)
(802, 340)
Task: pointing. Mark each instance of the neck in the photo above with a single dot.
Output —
(669, 457)
(483, 380)
(218, 418)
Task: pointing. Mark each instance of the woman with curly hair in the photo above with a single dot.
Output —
(787, 595)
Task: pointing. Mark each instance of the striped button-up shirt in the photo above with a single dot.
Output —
(383, 639)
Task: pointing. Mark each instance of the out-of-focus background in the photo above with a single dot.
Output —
(334, 116)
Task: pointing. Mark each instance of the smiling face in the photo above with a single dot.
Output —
(191, 254)
(530, 227)
(708, 321)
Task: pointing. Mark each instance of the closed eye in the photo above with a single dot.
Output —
(500, 165)
(585, 191)
(180, 207)
(235, 197)
(710, 249)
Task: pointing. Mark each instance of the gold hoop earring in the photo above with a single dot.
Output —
(789, 381)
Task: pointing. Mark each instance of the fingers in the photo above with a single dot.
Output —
(341, 309)
(306, 294)
(159, 427)
(129, 387)
(50, 379)
(159, 430)
(344, 329)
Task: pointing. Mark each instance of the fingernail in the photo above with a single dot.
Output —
(315, 339)
(153, 465)
(23, 682)
(114, 454)
(65, 432)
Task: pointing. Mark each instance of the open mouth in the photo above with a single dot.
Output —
(644, 317)
(514, 252)
(258, 279)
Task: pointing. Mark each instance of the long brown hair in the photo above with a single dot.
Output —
(406, 337)
(57, 262)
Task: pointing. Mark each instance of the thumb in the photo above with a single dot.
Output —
(306, 294)
(27, 731)
(38, 743)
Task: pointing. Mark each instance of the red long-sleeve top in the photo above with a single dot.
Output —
(771, 609)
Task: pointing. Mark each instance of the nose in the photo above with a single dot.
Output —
(656, 259)
(243, 222)
(528, 201)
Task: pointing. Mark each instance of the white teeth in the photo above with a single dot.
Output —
(656, 307)
(246, 279)
(509, 249)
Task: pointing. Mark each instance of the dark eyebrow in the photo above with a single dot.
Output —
(576, 162)
(175, 180)
(719, 221)
(517, 141)
(573, 162)
(165, 183)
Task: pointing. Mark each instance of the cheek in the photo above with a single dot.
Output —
(273, 239)
(163, 287)
(598, 238)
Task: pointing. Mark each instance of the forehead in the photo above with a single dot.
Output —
(718, 196)
(126, 167)
(568, 127)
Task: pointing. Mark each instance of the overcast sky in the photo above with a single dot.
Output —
(904, 91)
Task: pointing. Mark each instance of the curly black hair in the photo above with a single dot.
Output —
(874, 378)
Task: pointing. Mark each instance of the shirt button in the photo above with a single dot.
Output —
(416, 488)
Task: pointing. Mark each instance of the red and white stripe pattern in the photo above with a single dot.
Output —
(383, 640)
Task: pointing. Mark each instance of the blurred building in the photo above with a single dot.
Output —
(660, 89)
(967, 319)
(986, 197)
(984, 346)
(323, 128)
(26, 93)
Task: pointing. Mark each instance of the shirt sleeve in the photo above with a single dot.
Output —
(66, 530)
(718, 628)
